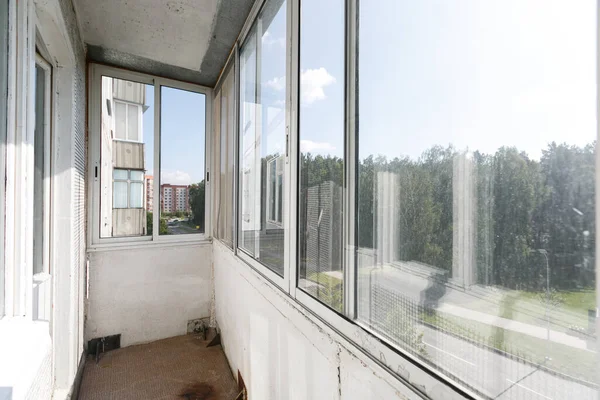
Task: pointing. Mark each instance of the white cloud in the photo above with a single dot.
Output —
(312, 82)
(276, 83)
(267, 40)
(176, 177)
(308, 146)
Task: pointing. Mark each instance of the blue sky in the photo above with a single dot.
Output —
(182, 135)
(475, 74)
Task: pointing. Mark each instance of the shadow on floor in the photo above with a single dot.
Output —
(176, 368)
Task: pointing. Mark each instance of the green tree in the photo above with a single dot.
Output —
(162, 228)
(197, 201)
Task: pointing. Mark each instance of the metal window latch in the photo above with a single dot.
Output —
(287, 142)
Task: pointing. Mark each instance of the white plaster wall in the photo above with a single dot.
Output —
(281, 352)
(147, 293)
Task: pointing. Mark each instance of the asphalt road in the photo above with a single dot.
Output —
(179, 229)
(498, 376)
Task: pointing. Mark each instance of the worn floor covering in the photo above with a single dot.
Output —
(177, 368)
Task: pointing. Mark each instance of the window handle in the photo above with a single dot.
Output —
(287, 142)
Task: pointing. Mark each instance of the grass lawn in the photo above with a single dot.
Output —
(329, 291)
(578, 301)
(565, 359)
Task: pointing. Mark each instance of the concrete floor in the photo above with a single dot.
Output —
(177, 368)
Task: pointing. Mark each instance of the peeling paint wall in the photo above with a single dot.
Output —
(281, 352)
(148, 293)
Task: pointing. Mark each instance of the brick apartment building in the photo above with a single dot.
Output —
(149, 192)
(175, 198)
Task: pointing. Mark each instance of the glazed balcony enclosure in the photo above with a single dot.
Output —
(298, 199)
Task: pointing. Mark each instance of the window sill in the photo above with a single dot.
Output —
(195, 241)
(24, 345)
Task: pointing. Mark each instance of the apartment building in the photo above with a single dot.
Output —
(149, 185)
(122, 162)
(175, 198)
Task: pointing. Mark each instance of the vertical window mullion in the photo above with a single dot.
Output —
(3, 137)
(291, 167)
(156, 200)
(351, 144)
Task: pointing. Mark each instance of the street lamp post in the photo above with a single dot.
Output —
(545, 254)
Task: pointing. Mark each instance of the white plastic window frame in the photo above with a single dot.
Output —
(3, 128)
(41, 280)
(283, 282)
(28, 295)
(408, 369)
(129, 181)
(95, 242)
(139, 117)
(230, 69)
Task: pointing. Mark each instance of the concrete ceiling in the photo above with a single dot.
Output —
(179, 39)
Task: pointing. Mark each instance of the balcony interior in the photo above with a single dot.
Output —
(182, 367)
(290, 257)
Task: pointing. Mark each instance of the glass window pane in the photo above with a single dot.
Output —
(3, 120)
(223, 125)
(262, 108)
(321, 131)
(120, 195)
(120, 120)
(228, 155)
(121, 174)
(39, 189)
(133, 115)
(136, 195)
(476, 191)
(249, 222)
(216, 155)
(136, 175)
(124, 160)
(182, 188)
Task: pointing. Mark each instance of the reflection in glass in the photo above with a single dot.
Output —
(223, 157)
(41, 194)
(321, 131)
(262, 137)
(127, 132)
(182, 185)
(476, 201)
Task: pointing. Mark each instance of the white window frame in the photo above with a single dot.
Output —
(283, 282)
(95, 242)
(414, 372)
(41, 280)
(4, 60)
(127, 104)
(129, 181)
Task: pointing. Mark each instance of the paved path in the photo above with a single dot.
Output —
(515, 326)
(497, 375)
(460, 303)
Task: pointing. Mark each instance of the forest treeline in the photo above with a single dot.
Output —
(523, 205)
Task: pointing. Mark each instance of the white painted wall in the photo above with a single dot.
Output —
(149, 292)
(283, 352)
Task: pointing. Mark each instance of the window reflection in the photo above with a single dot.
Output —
(321, 134)
(263, 137)
(476, 202)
